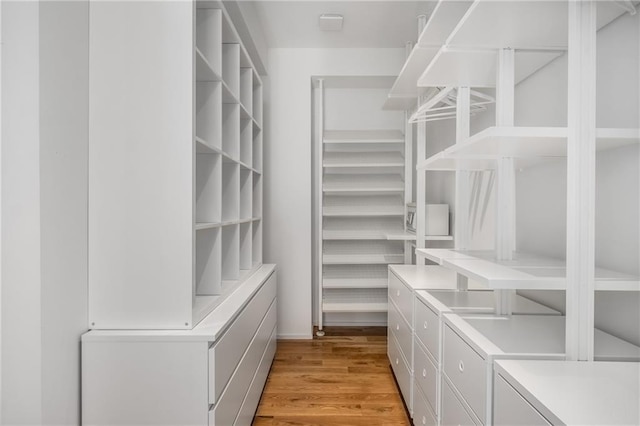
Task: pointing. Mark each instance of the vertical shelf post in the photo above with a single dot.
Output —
(505, 171)
(408, 178)
(421, 137)
(581, 181)
(319, 195)
(463, 194)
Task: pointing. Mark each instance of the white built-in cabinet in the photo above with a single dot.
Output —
(175, 163)
(182, 311)
(360, 203)
(492, 46)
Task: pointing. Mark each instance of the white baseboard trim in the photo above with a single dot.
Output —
(295, 336)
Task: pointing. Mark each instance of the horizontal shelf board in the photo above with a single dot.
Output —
(363, 211)
(363, 159)
(363, 136)
(363, 205)
(355, 300)
(438, 237)
(480, 150)
(358, 228)
(354, 283)
(363, 183)
(362, 259)
(478, 68)
(204, 70)
(203, 147)
(206, 225)
(522, 24)
(354, 307)
(442, 21)
(402, 103)
(406, 85)
(411, 236)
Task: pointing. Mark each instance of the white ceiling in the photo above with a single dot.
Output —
(294, 23)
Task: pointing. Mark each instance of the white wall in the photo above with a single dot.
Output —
(288, 176)
(44, 152)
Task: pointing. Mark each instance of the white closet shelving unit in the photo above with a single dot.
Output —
(196, 174)
(361, 203)
(487, 44)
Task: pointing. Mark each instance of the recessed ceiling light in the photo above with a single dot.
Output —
(330, 22)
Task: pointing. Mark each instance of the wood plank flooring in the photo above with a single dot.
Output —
(343, 378)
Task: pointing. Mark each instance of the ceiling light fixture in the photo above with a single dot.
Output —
(330, 22)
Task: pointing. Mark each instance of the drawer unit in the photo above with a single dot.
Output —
(425, 376)
(453, 412)
(225, 411)
(422, 413)
(225, 355)
(402, 296)
(400, 369)
(401, 331)
(466, 370)
(511, 409)
(427, 328)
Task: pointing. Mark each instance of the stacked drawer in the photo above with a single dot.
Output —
(241, 359)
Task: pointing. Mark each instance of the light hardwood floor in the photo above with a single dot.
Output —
(343, 378)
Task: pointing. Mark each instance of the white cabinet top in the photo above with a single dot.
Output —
(209, 329)
(425, 277)
(495, 337)
(572, 392)
(478, 302)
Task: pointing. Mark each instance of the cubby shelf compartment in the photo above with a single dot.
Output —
(204, 69)
(363, 159)
(246, 196)
(231, 130)
(361, 228)
(524, 272)
(362, 252)
(246, 142)
(256, 251)
(257, 149)
(208, 188)
(354, 276)
(246, 247)
(209, 38)
(355, 300)
(362, 183)
(246, 90)
(209, 114)
(257, 196)
(480, 150)
(363, 136)
(231, 253)
(230, 191)
(231, 67)
(208, 262)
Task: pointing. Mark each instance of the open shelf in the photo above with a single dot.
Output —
(362, 252)
(363, 205)
(355, 300)
(204, 69)
(524, 272)
(355, 276)
(246, 89)
(231, 252)
(209, 39)
(231, 130)
(442, 21)
(208, 257)
(256, 252)
(246, 196)
(246, 142)
(363, 159)
(208, 188)
(359, 228)
(257, 100)
(209, 113)
(231, 67)
(257, 149)
(480, 150)
(363, 183)
(246, 247)
(405, 86)
(363, 136)
(230, 191)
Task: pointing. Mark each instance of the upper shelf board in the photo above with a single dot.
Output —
(480, 150)
(406, 83)
(363, 159)
(442, 22)
(478, 68)
(363, 136)
(521, 24)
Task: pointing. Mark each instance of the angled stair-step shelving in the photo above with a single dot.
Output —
(363, 136)
(354, 300)
(363, 252)
(355, 276)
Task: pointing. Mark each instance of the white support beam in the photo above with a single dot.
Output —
(421, 149)
(408, 178)
(319, 177)
(581, 180)
(463, 190)
(505, 173)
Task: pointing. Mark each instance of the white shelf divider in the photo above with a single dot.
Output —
(231, 130)
(355, 276)
(363, 136)
(209, 37)
(257, 196)
(257, 149)
(363, 205)
(230, 252)
(362, 183)
(231, 67)
(363, 159)
(355, 300)
(246, 89)
(257, 100)
(256, 254)
(360, 228)
(246, 142)
(362, 252)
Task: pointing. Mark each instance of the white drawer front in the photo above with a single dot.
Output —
(511, 409)
(402, 296)
(427, 328)
(453, 412)
(228, 406)
(422, 414)
(402, 332)
(400, 369)
(467, 371)
(226, 353)
(425, 376)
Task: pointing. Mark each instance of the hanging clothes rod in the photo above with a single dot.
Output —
(440, 104)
